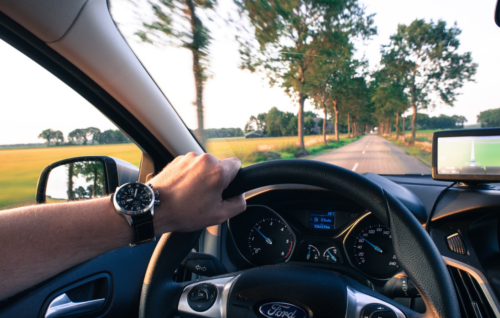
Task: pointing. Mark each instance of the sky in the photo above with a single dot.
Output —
(33, 99)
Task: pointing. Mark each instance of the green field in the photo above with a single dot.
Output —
(20, 168)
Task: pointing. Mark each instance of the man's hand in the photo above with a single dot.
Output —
(191, 193)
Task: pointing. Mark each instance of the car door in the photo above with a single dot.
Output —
(50, 111)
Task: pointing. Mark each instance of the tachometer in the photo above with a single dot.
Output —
(271, 241)
(373, 251)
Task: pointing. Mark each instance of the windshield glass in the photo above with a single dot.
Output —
(359, 84)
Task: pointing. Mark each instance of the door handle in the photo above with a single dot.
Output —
(63, 306)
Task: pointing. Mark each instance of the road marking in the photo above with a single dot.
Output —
(355, 166)
(363, 152)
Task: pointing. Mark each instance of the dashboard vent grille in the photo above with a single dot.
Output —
(473, 302)
(456, 244)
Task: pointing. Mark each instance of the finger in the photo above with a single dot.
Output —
(233, 206)
(231, 166)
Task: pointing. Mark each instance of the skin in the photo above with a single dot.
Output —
(40, 241)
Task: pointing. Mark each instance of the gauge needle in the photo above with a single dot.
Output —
(333, 257)
(268, 240)
(378, 249)
(135, 193)
(309, 254)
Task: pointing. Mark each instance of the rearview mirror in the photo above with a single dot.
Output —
(83, 178)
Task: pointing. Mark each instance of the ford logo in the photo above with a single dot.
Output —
(285, 310)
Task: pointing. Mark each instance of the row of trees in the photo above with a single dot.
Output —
(82, 136)
(307, 48)
(223, 132)
(276, 123)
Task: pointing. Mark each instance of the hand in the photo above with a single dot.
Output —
(191, 193)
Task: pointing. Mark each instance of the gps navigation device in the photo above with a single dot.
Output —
(466, 155)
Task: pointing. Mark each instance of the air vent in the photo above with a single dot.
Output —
(456, 244)
(473, 302)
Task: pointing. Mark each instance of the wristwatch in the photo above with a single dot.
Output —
(135, 202)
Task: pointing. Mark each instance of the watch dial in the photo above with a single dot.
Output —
(134, 197)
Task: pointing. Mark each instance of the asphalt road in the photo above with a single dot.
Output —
(374, 154)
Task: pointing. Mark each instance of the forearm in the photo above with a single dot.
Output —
(60, 236)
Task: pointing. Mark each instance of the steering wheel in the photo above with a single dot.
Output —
(287, 290)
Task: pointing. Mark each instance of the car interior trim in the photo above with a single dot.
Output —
(480, 279)
(357, 300)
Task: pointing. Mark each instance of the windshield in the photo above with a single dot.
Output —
(359, 84)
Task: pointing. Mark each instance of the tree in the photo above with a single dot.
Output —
(489, 118)
(167, 24)
(58, 136)
(78, 136)
(437, 70)
(92, 133)
(459, 120)
(93, 172)
(47, 134)
(285, 32)
(389, 98)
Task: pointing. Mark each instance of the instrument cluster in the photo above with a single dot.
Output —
(262, 236)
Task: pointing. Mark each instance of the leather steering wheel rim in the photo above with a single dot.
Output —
(414, 249)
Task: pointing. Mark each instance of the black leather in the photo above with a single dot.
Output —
(160, 294)
(415, 251)
(144, 230)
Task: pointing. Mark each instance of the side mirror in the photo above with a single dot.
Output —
(82, 178)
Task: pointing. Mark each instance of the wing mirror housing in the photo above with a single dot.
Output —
(83, 178)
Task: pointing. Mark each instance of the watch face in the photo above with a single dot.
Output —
(134, 197)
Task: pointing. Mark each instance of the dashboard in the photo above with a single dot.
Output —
(327, 234)
(311, 226)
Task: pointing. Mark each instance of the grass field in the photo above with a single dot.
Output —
(243, 148)
(20, 168)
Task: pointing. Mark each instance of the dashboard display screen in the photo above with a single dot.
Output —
(321, 220)
(470, 155)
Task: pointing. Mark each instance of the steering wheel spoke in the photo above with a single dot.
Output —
(206, 298)
(244, 295)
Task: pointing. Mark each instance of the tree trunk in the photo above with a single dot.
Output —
(414, 107)
(324, 123)
(389, 129)
(70, 193)
(302, 99)
(404, 128)
(348, 125)
(94, 190)
(336, 113)
(197, 70)
(397, 125)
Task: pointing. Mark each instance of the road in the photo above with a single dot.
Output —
(374, 154)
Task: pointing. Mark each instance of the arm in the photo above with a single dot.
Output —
(37, 242)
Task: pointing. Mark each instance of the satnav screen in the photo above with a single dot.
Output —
(469, 155)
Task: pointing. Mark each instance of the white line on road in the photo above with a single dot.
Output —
(355, 166)
(363, 152)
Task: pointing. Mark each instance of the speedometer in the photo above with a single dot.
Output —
(373, 251)
(271, 241)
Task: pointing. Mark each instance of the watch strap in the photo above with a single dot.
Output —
(143, 227)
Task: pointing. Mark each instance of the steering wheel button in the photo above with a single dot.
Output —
(202, 294)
